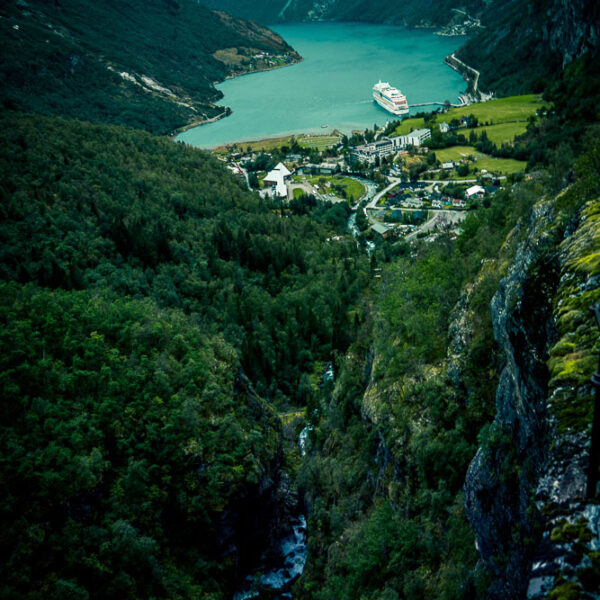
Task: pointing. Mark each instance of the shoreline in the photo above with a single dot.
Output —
(193, 124)
(227, 111)
(291, 64)
(276, 138)
(470, 75)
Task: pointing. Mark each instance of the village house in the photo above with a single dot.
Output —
(381, 229)
(412, 203)
(328, 168)
(475, 191)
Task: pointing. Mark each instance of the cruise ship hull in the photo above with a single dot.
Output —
(392, 109)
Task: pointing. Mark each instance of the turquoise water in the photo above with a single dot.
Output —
(332, 85)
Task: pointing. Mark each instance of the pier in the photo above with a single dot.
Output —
(427, 104)
(438, 104)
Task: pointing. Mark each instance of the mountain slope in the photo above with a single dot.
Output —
(146, 300)
(525, 45)
(410, 12)
(145, 64)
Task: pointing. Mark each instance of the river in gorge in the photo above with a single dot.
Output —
(332, 87)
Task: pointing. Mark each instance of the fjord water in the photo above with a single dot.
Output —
(332, 85)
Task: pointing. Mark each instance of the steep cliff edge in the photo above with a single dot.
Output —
(524, 490)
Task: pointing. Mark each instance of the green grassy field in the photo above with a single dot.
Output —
(409, 125)
(256, 146)
(506, 117)
(454, 153)
(504, 166)
(320, 142)
(354, 189)
(503, 110)
(503, 133)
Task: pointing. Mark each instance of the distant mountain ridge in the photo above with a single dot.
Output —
(408, 12)
(148, 64)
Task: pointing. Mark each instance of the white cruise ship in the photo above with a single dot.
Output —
(390, 98)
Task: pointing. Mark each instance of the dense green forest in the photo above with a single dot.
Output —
(141, 64)
(147, 298)
(159, 322)
(110, 209)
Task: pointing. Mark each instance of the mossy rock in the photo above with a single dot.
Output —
(566, 591)
(566, 532)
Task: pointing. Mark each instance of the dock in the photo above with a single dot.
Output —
(437, 104)
(426, 104)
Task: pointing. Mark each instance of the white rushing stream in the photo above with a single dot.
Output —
(293, 552)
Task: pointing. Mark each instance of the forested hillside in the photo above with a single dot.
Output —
(146, 298)
(415, 392)
(147, 64)
(159, 322)
(526, 44)
(409, 12)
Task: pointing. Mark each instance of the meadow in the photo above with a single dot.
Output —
(502, 119)
(504, 166)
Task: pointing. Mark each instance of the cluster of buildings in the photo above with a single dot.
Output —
(384, 147)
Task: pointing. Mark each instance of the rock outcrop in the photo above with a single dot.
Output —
(524, 490)
(573, 28)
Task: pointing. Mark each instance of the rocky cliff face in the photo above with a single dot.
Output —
(524, 490)
(525, 44)
(567, 559)
(573, 28)
(497, 491)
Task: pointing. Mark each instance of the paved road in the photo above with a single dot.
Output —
(456, 181)
(441, 218)
(373, 204)
(304, 186)
(243, 172)
(307, 188)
